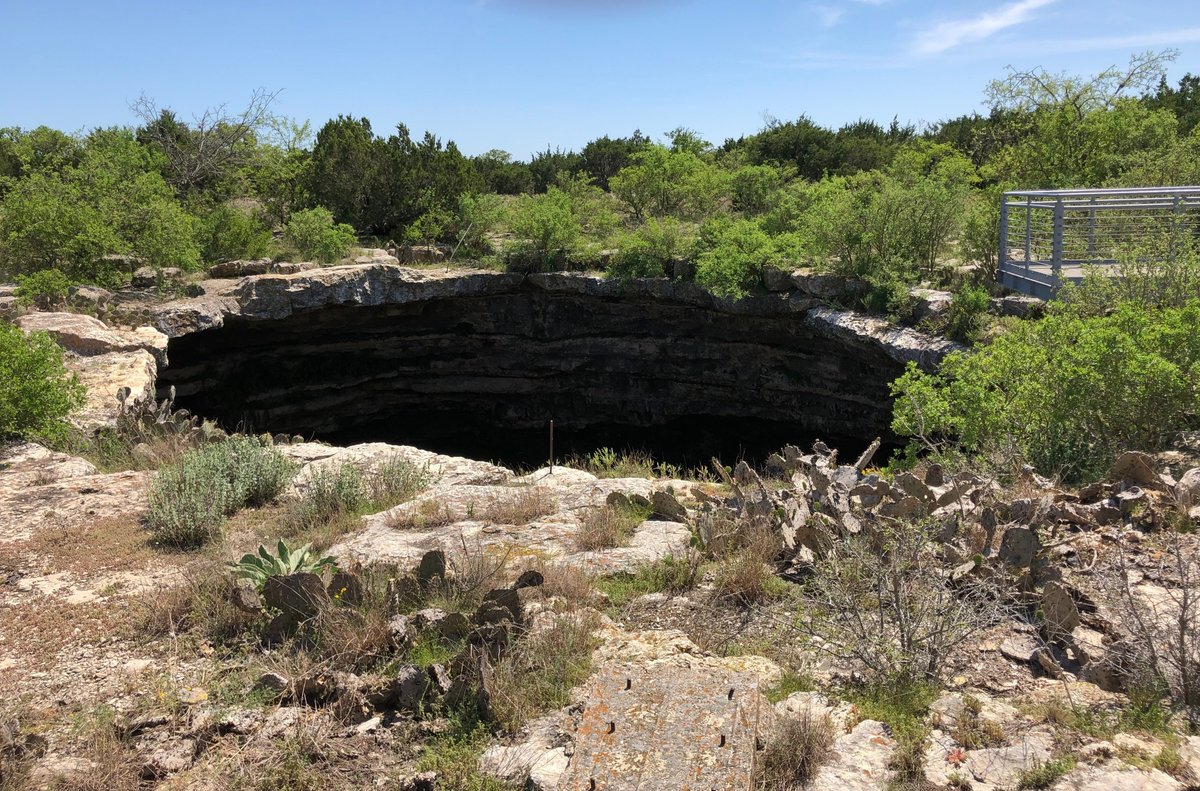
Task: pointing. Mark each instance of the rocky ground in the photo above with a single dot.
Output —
(695, 668)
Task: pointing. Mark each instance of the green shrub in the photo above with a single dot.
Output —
(661, 183)
(227, 233)
(649, 250)
(44, 288)
(333, 490)
(968, 311)
(1044, 774)
(110, 201)
(315, 235)
(36, 391)
(547, 228)
(190, 501)
(732, 256)
(1064, 393)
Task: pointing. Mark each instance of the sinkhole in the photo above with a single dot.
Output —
(482, 376)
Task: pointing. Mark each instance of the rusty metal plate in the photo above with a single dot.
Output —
(667, 729)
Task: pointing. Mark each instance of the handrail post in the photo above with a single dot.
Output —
(1002, 249)
(1056, 251)
(1092, 229)
(1028, 231)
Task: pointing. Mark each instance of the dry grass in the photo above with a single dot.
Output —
(17, 752)
(744, 574)
(425, 515)
(973, 732)
(574, 586)
(542, 668)
(796, 750)
(112, 762)
(201, 604)
(604, 528)
(530, 503)
(109, 544)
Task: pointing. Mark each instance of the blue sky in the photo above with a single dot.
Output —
(523, 74)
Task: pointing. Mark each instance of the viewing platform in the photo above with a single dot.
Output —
(1051, 237)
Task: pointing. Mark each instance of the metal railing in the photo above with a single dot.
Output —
(1049, 237)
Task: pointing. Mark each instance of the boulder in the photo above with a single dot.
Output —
(1136, 468)
(775, 279)
(300, 596)
(420, 254)
(408, 690)
(88, 336)
(232, 269)
(1060, 614)
(89, 296)
(1019, 306)
(431, 567)
(346, 587)
(144, 277)
(1187, 490)
(530, 578)
(400, 632)
(666, 508)
(1019, 546)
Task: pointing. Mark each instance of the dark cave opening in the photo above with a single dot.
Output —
(482, 376)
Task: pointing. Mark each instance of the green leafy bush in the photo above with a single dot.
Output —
(333, 490)
(315, 235)
(732, 254)
(227, 233)
(258, 568)
(36, 391)
(968, 311)
(662, 183)
(1064, 393)
(191, 500)
(45, 288)
(548, 228)
(109, 202)
(649, 250)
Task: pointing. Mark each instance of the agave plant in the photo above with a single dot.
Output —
(259, 567)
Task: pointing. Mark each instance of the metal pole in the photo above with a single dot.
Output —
(1057, 245)
(551, 446)
(1092, 229)
(1028, 231)
(1002, 250)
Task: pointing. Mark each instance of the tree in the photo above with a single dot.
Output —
(36, 392)
(604, 157)
(501, 175)
(662, 183)
(280, 169)
(1183, 101)
(348, 165)
(546, 166)
(1037, 89)
(198, 155)
(801, 143)
(112, 203)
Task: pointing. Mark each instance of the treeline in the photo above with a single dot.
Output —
(890, 204)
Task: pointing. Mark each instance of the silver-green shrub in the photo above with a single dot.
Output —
(191, 500)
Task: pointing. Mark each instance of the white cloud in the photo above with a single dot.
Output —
(948, 35)
(828, 15)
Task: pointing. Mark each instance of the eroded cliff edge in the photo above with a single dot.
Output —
(352, 351)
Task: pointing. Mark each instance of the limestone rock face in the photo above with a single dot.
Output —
(348, 351)
(88, 336)
(41, 489)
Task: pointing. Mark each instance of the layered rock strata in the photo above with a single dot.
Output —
(380, 351)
